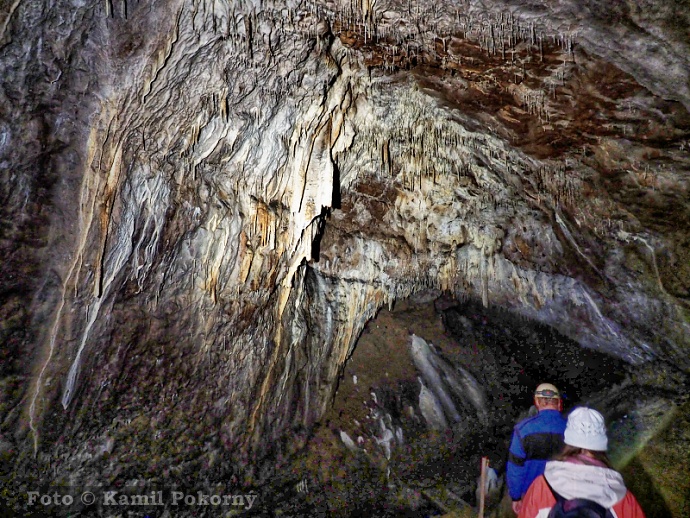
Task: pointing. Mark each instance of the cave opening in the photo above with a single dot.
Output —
(379, 451)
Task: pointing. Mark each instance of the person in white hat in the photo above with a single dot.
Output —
(581, 471)
(535, 441)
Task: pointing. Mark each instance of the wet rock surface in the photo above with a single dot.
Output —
(204, 204)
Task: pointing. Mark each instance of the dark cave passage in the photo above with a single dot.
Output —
(375, 454)
(528, 353)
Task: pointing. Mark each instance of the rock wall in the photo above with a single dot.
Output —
(205, 202)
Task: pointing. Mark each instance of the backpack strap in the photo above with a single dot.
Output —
(560, 499)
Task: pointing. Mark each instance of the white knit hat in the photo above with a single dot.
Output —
(586, 429)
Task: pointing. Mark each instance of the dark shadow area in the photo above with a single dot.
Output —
(316, 242)
(529, 353)
(336, 198)
(642, 485)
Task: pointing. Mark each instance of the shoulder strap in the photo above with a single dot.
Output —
(560, 499)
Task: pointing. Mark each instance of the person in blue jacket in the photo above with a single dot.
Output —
(535, 440)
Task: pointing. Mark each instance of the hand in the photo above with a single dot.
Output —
(517, 505)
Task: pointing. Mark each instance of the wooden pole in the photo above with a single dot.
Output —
(482, 485)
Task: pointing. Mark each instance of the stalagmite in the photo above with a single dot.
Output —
(431, 409)
(387, 437)
(422, 357)
(347, 441)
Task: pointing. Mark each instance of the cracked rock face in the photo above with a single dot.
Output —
(204, 203)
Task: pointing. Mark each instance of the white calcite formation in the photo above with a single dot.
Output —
(204, 202)
(445, 384)
(431, 408)
(423, 358)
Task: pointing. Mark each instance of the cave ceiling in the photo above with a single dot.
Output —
(203, 203)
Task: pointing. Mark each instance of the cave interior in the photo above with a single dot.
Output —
(320, 252)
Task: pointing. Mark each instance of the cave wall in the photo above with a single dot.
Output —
(204, 203)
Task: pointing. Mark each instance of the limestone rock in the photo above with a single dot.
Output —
(203, 203)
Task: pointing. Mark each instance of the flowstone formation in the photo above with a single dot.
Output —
(205, 202)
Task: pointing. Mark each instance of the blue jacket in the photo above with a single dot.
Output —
(535, 440)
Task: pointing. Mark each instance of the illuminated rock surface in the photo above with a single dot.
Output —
(204, 203)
